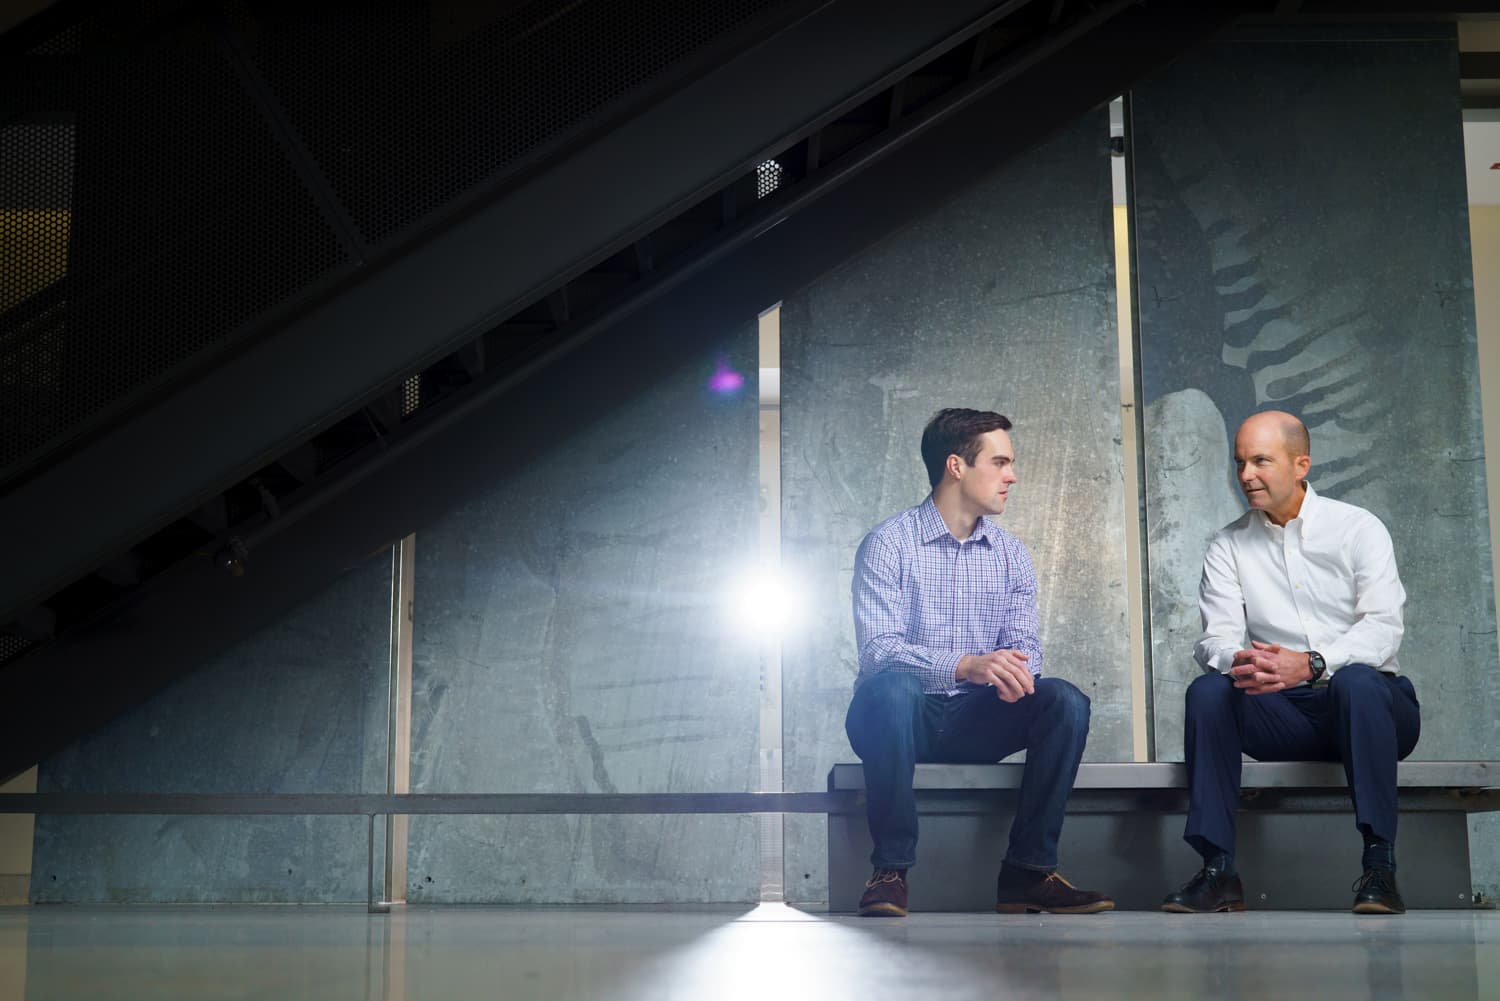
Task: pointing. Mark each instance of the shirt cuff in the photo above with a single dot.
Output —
(1220, 660)
(1335, 656)
(947, 666)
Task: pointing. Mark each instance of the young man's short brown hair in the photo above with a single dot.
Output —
(956, 431)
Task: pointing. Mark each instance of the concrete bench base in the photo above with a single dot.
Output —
(1298, 848)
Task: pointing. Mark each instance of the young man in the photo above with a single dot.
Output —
(1312, 583)
(950, 670)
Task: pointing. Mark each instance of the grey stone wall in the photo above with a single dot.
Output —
(571, 636)
(1304, 246)
(1002, 300)
(298, 707)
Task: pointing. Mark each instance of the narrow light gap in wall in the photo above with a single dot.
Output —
(770, 829)
(398, 711)
(1140, 681)
(1481, 131)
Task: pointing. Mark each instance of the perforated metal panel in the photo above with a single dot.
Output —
(411, 395)
(148, 213)
(34, 204)
(11, 646)
(35, 208)
(768, 177)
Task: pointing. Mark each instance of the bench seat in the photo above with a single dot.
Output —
(1298, 848)
(1472, 775)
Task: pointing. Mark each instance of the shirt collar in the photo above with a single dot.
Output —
(1307, 514)
(931, 526)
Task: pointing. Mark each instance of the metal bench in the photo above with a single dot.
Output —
(1298, 849)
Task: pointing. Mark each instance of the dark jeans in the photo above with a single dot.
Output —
(1366, 719)
(892, 725)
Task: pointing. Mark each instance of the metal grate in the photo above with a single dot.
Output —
(768, 178)
(12, 646)
(36, 166)
(406, 107)
(148, 213)
(34, 204)
(411, 395)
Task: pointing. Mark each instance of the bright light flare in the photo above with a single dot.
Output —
(766, 602)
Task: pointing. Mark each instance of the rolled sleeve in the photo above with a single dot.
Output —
(1221, 606)
(1021, 623)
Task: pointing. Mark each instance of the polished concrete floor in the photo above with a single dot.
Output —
(769, 952)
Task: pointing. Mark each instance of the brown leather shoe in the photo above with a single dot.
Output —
(1020, 891)
(885, 895)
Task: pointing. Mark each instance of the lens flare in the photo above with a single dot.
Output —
(725, 381)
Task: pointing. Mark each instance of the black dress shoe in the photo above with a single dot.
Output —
(1375, 893)
(1208, 891)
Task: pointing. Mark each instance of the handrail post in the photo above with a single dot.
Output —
(374, 906)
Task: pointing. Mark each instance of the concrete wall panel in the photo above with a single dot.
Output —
(298, 707)
(571, 636)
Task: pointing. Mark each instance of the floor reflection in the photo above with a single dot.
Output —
(769, 953)
(13, 952)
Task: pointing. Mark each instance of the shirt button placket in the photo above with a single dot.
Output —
(958, 591)
(1296, 574)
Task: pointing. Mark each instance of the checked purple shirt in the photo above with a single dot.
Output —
(923, 599)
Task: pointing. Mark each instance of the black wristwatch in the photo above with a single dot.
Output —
(1317, 665)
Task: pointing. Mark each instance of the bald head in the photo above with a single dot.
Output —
(1293, 432)
(1271, 461)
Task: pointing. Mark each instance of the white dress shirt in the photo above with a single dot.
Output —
(1325, 581)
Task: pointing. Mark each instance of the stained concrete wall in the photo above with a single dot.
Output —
(1002, 300)
(298, 707)
(571, 636)
(1304, 245)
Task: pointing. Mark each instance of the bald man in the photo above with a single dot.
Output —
(1311, 582)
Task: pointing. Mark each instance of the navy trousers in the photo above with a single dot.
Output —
(892, 725)
(1363, 718)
